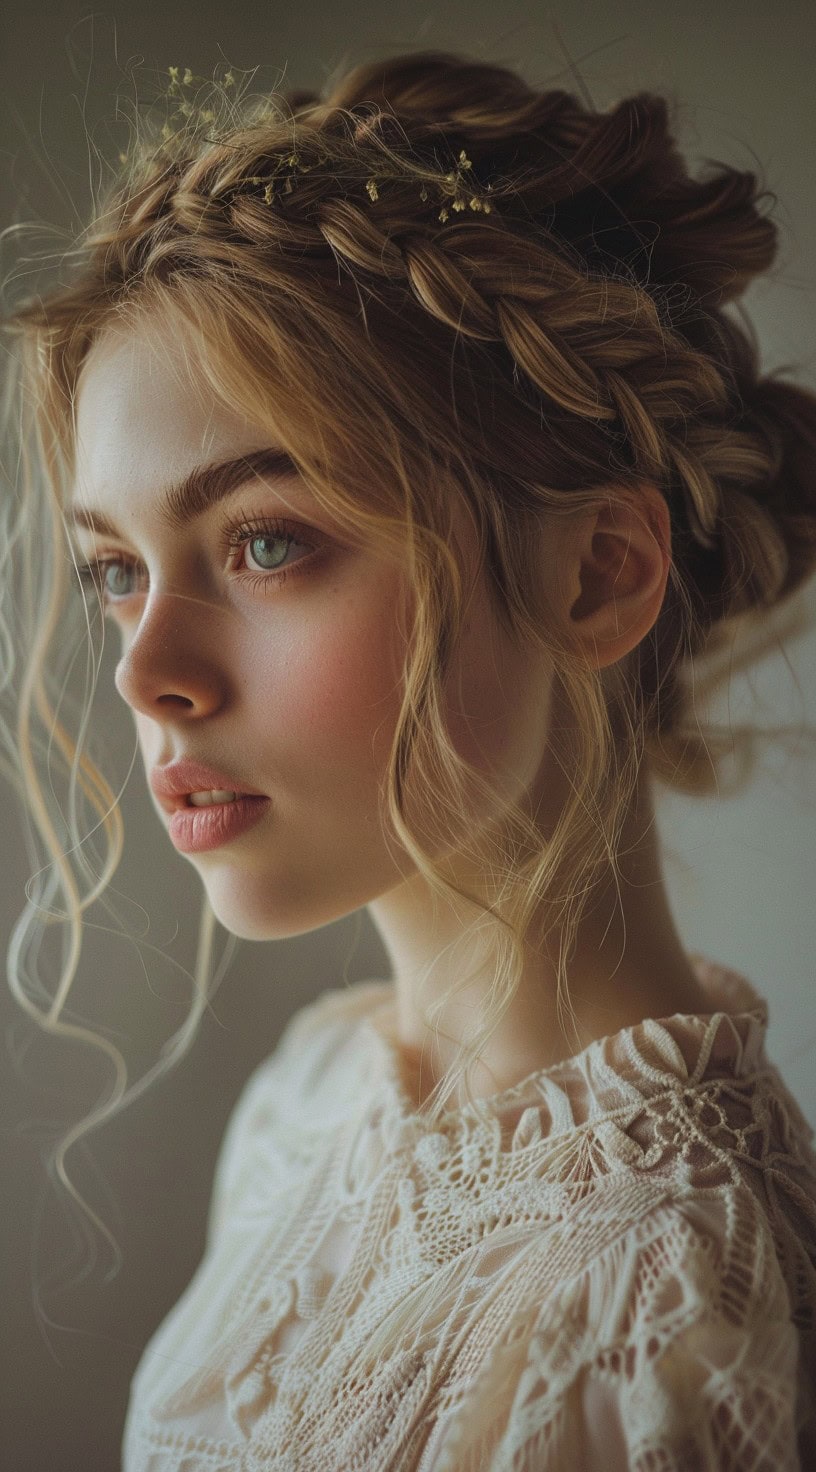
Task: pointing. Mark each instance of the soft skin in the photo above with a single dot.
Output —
(294, 690)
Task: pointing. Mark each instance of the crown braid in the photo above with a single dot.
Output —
(549, 322)
(574, 245)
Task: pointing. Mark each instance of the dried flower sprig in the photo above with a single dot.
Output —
(455, 190)
(187, 110)
(452, 186)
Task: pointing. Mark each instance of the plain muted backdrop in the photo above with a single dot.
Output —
(740, 871)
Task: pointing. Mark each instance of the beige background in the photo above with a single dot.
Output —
(741, 872)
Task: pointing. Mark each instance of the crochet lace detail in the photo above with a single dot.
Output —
(610, 1265)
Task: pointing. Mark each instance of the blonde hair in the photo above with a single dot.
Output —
(395, 337)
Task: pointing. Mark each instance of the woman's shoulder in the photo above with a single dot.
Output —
(309, 1043)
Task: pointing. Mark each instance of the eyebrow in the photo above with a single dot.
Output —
(206, 485)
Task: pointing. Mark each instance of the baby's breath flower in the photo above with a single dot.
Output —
(229, 80)
(173, 70)
(188, 76)
(459, 198)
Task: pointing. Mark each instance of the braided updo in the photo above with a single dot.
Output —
(433, 281)
(588, 292)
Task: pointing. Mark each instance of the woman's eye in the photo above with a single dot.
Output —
(120, 568)
(265, 550)
(268, 545)
(95, 575)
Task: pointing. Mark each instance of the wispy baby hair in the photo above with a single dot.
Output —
(436, 286)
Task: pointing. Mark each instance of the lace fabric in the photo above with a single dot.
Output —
(611, 1264)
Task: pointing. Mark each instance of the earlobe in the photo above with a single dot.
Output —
(620, 568)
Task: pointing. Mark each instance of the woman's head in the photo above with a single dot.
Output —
(477, 318)
(279, 657)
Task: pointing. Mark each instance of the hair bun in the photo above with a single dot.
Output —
(783, 415)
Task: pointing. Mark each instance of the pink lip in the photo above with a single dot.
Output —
(195, 830)
(172, 784)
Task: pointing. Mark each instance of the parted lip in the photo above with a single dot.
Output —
(173, 783)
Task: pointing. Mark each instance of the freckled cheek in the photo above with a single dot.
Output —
(332, 691)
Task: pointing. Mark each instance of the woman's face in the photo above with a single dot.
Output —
(289, 686)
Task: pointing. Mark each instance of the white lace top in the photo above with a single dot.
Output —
(610, 1266)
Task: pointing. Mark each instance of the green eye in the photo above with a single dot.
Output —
(121, 570)
(91, 574)
(264, 537)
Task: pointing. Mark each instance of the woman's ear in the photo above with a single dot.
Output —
(614, 567)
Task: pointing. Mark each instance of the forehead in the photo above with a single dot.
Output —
(145, 412)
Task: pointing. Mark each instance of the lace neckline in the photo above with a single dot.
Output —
(642, 1059)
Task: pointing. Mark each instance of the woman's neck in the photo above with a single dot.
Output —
(628, 964)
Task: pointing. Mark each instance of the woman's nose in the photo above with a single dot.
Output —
(175, 659)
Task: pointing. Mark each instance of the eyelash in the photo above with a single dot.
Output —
(233, 534)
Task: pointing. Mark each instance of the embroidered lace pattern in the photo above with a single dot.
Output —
(611, 1265)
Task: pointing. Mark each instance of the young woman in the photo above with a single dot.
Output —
(404, 438)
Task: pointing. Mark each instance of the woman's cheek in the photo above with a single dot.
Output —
(338, 683)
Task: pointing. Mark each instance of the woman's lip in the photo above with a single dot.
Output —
(197, 830)
(172, 784)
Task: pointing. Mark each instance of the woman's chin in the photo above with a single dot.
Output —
(232, 904)
(243, 923)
